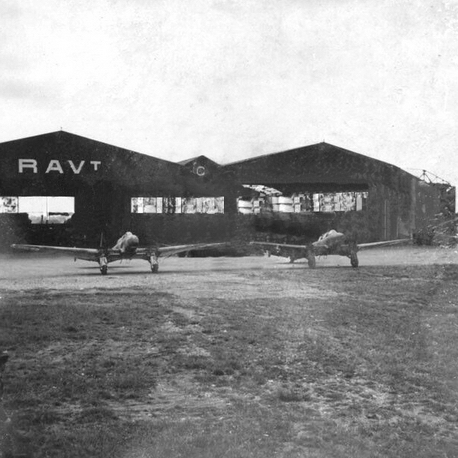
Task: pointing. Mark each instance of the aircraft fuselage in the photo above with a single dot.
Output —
(127, 244)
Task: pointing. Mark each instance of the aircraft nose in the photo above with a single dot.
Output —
(130, 244)
(133, 242)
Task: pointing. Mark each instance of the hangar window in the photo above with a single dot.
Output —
(146, 205)
(8, 204)
(339, 201)
(209, 205)
(47, 209)
(305, 203)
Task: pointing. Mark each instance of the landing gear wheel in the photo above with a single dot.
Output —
(311, 261)
(354, 260)
(155, 268)
(104, 270)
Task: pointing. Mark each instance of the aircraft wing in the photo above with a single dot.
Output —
(167, 251)
(284, 249)
(285, 245)
(363, 246)
(90, 254)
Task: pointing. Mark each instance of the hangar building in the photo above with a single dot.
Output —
(342, 190)
(64, 182)
(62, 188)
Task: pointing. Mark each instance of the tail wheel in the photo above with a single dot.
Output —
(354, 259)
(311, 261)
(104, 270)
(155, 268)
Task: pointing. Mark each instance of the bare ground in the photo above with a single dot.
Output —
(233, 357)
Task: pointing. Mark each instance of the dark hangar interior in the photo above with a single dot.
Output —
(61, 188)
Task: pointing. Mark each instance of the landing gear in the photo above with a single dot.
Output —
(311, 260)
(103, 263)
(354, 259)
(154, 263)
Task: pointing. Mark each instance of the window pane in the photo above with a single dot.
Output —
(8, 205)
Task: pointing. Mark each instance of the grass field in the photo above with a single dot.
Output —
(289, 362)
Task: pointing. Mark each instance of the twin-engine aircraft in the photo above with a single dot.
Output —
(330, 243)
(126, 248)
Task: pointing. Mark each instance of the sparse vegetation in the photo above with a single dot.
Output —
(290, 363)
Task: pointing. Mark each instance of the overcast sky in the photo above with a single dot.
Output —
(232, 79)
